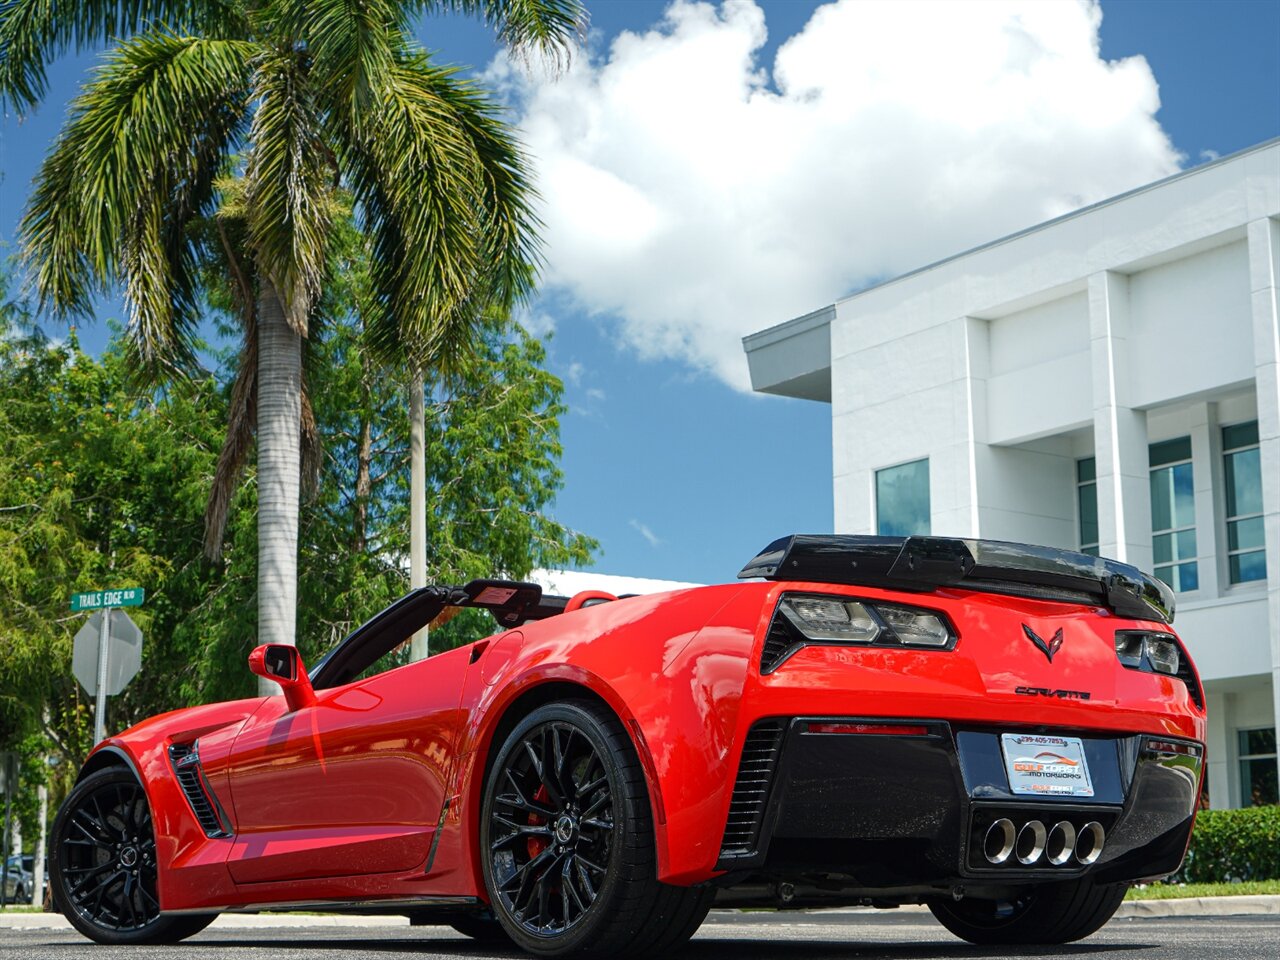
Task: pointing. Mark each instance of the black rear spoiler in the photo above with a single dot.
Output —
(926, 563)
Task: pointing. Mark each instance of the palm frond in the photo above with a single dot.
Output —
(352, 45)
(549, 27)
(290, 184)
(446, 203)
(134, 165)
(35, 32)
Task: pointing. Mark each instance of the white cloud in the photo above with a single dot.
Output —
(694, 201)
(650, 537)
(574, 374)
(596, 394)
(538, 323)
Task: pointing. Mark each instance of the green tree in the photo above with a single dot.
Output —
(102, 485)
(302, 98)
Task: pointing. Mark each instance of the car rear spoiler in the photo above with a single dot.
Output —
(926, 563)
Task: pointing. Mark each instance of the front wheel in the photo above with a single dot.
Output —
(103, 865)
(1049, 914)
(566, 842)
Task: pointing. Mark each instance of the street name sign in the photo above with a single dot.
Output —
(97, 599)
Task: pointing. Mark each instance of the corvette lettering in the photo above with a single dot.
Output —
(1057, 694)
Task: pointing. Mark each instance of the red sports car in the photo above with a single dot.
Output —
(1009, 734)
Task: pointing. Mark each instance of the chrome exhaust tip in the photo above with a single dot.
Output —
(1061, 843)
(1089, 843)
(997, 845)
(1031, 840)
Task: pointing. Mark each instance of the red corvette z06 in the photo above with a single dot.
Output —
(1009, 734)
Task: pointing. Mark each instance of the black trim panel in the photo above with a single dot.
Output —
(900, 809)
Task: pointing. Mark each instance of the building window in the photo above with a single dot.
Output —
(1258, 782)
(1087, 504)
(1242, 468)
(902, 500)
(1173, 514)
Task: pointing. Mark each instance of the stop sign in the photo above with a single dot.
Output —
(124, 652)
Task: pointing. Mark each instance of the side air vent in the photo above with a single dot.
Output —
(186, 769)
(1188, 676)
(778, 643)
(751, 790)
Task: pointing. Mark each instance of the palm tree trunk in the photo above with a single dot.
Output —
(417, 503)
(279, 473)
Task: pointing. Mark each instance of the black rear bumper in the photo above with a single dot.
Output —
(871, 810)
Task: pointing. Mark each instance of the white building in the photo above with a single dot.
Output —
(1107, 381)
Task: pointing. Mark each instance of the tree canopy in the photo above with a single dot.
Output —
(103, 485)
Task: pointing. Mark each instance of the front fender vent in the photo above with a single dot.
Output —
(185, 759)
(759, 762)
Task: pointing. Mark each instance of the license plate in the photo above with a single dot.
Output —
(1046, 766)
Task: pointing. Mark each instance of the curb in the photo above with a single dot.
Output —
(1228, 906)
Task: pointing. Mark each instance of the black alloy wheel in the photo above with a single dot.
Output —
(104, 864)
(567, 844)
(551, 828)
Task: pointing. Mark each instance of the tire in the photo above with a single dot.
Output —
(567, 848)
(680, 914)
(20, 895)
(1051, 914)
(103, 865)
(481, 927)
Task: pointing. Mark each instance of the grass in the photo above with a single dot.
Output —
(1178, 891)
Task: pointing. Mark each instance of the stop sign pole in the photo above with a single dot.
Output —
(100, 599)
(100, 701)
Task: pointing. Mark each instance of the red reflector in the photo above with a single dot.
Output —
(881, 729)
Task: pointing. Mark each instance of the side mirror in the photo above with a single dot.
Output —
(283, 664)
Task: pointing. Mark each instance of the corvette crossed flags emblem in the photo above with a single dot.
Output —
(1048, 649)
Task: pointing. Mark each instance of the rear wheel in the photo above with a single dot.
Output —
(103, 868)
(566, 842)
(1052, 913)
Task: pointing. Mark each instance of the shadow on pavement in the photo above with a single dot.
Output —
(706, 949)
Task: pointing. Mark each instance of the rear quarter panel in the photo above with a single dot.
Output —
(672, 667)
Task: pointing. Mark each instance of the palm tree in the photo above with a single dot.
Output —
(258, 116)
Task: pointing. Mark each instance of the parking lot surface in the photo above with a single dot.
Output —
(725, 936)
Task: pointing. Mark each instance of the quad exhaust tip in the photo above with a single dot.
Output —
(1089, 843)
(1061, 845)
(998, 843)
(1031, 841)
(1058, 845)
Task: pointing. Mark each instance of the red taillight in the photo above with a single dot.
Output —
(1173, 746)
(878, 729)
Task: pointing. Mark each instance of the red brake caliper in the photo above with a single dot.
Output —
(538, 844)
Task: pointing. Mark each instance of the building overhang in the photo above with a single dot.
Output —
(793, 359)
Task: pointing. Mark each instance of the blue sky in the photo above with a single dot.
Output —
(667, 242)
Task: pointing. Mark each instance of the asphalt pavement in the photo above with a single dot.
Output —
(725, 936)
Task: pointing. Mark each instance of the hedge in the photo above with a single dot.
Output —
(1233, 845)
